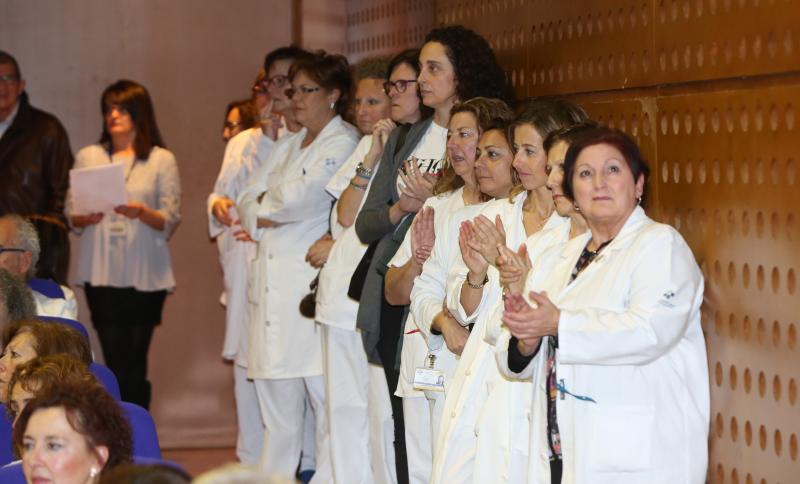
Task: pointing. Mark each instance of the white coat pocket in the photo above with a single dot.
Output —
(621, 439)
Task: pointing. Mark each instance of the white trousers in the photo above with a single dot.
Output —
(381, 428)
(346, 399)
(250, 441)
(419, 439)
(282, 403)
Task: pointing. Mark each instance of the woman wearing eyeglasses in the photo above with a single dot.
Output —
(125, 263)
(239, 116)
(456, 64)
(244, 154)
(285, 208)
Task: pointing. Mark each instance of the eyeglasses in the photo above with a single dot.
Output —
(277, 81)
(9, 78)
(304, 90)
(400, 85)
(121, 110)
(231, 124)
(11, 249)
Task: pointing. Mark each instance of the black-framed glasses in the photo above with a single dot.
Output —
(304, 90)
(11, 249)
(9, 78)
(400, 85)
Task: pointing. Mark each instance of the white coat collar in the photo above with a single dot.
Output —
(573, 249)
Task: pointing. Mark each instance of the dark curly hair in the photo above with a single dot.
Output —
(331, 71)
(91, 412)
(476, 69)
(51, 339)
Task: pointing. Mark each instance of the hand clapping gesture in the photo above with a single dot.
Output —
(422, 236)
(529, 324)
(488, 236)
(513, 267)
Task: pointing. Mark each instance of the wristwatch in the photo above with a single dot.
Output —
(363, 172)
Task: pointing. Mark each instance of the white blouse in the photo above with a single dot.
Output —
(123, 252)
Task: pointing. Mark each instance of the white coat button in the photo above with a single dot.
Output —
(269, 256)
(469, 372)
(453, 415)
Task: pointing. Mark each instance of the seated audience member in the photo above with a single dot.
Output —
(239, 116)
(27, 339)
(16, 301)
(88, 426)
(238, 474)
(42, 374)
(19, 255)
(146, 474)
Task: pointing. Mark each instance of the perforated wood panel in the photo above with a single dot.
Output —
(710, 90)
(379, 28)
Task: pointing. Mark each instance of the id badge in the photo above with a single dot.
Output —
(117, 226)
(428, 379)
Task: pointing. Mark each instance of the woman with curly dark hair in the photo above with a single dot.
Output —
(72, 433)
(456, 64)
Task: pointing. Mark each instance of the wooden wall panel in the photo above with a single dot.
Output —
(710, 89)
(385, 27)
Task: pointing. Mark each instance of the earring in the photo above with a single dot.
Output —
(333, 106)
(93, 473)
(639, 199)
(576, 207)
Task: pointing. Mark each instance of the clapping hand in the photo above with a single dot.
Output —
(513, 267)
(422, 235)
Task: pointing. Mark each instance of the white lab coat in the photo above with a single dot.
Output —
(283, 343)
(629, 339)
(482, 440)
(244, 154)
(443, 271)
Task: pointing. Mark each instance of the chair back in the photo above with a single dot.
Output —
(69, 322)
(12, 473)
(145, 437)
(107, 379)
(6, 454)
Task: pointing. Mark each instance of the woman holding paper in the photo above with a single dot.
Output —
(125, 262)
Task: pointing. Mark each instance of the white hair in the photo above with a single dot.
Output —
(26, 238)
(233, 473)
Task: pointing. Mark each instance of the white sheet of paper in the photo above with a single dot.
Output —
(98, 189)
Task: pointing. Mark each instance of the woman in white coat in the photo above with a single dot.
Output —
(444, 335)
(479, 441)
(354, 421)
(244, 154)
(613, 329)
(285, 207)
(458, 187)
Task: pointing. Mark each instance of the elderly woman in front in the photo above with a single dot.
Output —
(613, 329)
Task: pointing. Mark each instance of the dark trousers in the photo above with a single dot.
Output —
(125, 349)
(124, 319)
(391, 331)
